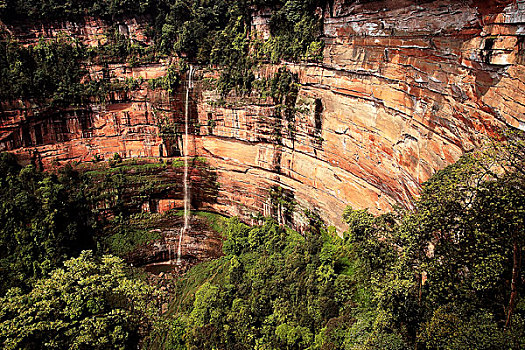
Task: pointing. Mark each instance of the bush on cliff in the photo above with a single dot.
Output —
(50, 71)
(204, 32)
(53, 10)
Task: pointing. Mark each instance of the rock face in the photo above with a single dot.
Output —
(198, 244)
(405, 88)
(127, 123)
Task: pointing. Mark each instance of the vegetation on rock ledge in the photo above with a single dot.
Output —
(445, 276)
(204, 32)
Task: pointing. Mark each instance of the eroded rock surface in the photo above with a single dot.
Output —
(199, 243)
(404, 89)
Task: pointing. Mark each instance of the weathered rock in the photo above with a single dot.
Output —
(199, 243)
(404, 89)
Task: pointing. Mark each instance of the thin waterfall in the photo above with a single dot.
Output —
(185, 149)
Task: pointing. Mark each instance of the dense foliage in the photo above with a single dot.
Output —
(196, 28)
(204, 32)
(445, 276)
(48, 71)
(47, 218)
(44, 219)
(219, 31)
(275, 289)
(20, 10)
(52, 73)
(89, 303)
(448, 275)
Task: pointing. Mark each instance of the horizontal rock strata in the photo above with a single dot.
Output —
(404, 89)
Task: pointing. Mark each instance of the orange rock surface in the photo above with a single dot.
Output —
(403, 90)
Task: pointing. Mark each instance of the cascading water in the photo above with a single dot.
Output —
(185, 150)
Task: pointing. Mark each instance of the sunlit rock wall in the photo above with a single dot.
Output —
(127, 122)
(404, 89)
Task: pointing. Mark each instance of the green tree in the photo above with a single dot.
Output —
(454, 262)
(90, 303)
(44, 219)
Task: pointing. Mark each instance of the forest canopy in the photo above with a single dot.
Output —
(446, 275)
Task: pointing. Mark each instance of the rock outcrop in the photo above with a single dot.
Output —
(404, 89)
(127, 122)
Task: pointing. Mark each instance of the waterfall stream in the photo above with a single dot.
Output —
(184, 229)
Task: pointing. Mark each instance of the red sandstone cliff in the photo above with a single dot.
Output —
(404, 89)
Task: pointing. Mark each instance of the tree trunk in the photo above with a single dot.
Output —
(514, 283)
